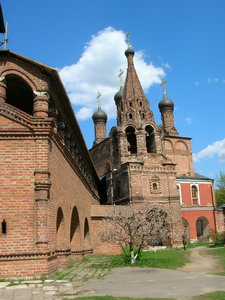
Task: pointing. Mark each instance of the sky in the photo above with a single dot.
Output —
(181, 40)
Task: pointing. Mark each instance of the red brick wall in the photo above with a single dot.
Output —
(205, 191)
(192, 216)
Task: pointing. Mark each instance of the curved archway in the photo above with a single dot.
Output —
(60, 230)
(86, 233)
(19, 93)
(150, 139)
(186, 229)
(202, 227)
(131, 139)
(75, 237)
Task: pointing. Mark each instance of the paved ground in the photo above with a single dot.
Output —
(133, 282)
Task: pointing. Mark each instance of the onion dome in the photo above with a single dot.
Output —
(166, 104)
(118, 96)
(99, 115)
(129, 51)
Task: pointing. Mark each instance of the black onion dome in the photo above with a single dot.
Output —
(118, 96)
(129, 51)
(166, 103)
(99, 115)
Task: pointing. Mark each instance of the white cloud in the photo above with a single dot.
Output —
(213, 80)
(188, 120)
(98, 69)
(167, 66)
(216, 148)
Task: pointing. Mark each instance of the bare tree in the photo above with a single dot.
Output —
(137, 226)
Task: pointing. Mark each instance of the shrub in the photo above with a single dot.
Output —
(218, 238)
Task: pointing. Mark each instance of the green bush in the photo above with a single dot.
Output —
(127, 254)
(218, 238)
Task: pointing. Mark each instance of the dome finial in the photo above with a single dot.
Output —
(163, 84)
(98, 97)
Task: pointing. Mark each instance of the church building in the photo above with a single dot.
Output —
(142, 161)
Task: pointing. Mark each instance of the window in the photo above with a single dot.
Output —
(150, 139)
(130, 116)
(4, 227)
(194, 194)
(155, 187)
(131, 139)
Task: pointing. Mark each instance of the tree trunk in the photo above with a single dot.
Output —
(133, 257)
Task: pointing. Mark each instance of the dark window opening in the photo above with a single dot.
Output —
(150, 139)
(130, 116)
(143, 116)
(140, 103)
(131, 139)
(3, 227)
(19, 93)
(154, 186)
(130, 103)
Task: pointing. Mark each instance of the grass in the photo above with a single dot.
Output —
(220, 255)
(210, 296)
(166, 259)
(117, 298)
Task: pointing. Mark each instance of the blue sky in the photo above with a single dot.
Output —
(84, 40)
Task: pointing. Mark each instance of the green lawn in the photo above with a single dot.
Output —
(210, 296)
(166, 259)
(220, 255)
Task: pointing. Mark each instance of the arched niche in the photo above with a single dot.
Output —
(75, 237)
(131, 139)
(150, 139)
(60, 230)
(19, 93)
(186, 229)
(86, 233)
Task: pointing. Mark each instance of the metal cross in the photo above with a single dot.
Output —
(98, 97)
(128, 39)
(163, 84)
(120, 76)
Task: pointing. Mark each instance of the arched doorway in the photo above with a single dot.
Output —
(75, 238)
(60, 230)
(19, 93)
(202, 227)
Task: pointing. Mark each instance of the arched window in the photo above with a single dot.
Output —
(150, 139)
(4, 227)
(131, 139)
(130, 116)
(194, 194)
(19, 93)
(154, 186)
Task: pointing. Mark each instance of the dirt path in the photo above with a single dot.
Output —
(201, 263)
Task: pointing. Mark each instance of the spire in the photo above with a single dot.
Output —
(132, 87)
